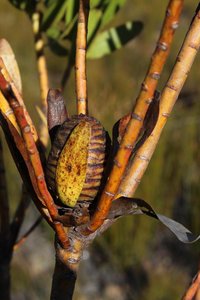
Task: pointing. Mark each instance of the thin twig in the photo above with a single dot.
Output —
(80, 64)
(42, 73)
(169, 96)
(29, 231)
(8, 80)
(32, 152)
(154, 71)
(193, 288)
(135, 124)
(20, 155)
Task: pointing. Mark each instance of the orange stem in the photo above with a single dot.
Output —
(80, 64)
(168, 99)
(33, 153)
(157, 63)
(6, 78)
(135, 124)
(193, 288)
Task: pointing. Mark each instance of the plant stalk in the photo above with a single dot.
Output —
(80, 64)
(169, 96)
(135, 124)
(65, 272)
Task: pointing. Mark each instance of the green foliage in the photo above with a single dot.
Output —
(59, 21)
(110, 40)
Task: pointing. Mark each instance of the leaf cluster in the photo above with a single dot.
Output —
(59, 23)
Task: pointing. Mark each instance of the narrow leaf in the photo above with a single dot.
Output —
(113, 39)
(97, 3)
(94, 22)
(71, 11)
(112, 8)
(53, 33)
(130, 206)
(53, 14)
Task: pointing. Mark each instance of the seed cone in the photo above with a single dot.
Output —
(76, 160)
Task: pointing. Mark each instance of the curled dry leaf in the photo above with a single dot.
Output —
(8, 56)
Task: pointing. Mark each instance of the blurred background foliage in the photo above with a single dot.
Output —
(137, 258)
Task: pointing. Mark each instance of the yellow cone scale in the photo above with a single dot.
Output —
(72, 165)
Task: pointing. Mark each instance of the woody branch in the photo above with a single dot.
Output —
(80, 63)
(169, 96)
(192, 290)
(8, 89)
(135, 124)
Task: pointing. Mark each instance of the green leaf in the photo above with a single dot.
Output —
(113, 39)
(54, 13)
(93, 22)
(53, 33)
(71, 11)
(112, 7)
(66, 34)
(97, 3)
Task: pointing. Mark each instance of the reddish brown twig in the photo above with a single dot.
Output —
(16, 144)
(135, 124)
(80, 64)
(169, 96)
(32, 152)
(154, 71)
(26, 235)
(8, 80)
(193, 288)
(42, 73)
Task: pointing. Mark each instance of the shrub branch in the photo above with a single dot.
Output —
(169, 96)
(80, 64)
(135, 124)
